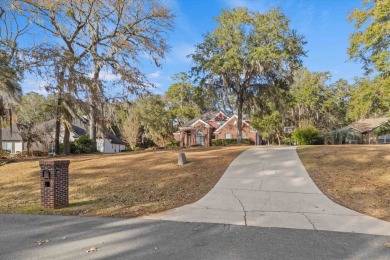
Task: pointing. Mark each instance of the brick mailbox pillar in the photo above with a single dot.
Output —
(54, 183)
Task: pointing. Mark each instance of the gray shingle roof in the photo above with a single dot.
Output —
(366, 125)
(205, 117)
(16, 135)
(78, 130)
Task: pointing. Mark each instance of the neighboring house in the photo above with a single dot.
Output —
(107, 143)
(110, 143)
(16, 141)
(214, 125)
(366, 127)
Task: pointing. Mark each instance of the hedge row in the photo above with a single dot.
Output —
(223, 142)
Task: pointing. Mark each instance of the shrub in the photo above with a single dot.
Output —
(216, 142)
(173, 143)
(383, 129)
(137, 148)
(81, 145)
(220, 142)
(246, 141)
(39, 153)
(305, 135)
(342, 136)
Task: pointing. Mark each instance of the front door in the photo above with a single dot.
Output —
(188, 139)
(199, 138)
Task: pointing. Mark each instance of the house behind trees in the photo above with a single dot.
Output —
(214, 125)
(365, 128)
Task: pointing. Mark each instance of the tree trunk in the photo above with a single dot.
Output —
(68, 125)
(277, 136)
(94, 99)
(58, 125)
(92, 123)
(1, 122)
(240, 103)
(66, 139)
(61, 83)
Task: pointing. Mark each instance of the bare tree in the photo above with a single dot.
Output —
(11, 68)
(110, 35)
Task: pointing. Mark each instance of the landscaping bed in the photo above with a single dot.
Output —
(355, 176)
(121, 185)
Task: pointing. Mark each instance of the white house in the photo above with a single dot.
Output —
(106, 143)
(13, 142)
(110, 143)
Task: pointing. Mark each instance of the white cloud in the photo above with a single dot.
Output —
(106, 75)
(109, 76)
(155, 74)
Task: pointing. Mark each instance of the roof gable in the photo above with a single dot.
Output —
(209, 116)
(227, 122)
(366, 125)
(15, 135)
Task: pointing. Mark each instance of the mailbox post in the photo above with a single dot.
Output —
(54, 183)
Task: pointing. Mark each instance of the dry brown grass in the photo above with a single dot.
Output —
(122, 185)
(357, 177)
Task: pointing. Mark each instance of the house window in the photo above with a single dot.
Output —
(199, 138)
(384, 139)
(228, 136)
(220, 123)
(243, 135)
(8, 147)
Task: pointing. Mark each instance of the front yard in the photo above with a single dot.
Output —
(121, 185)
(357, 177)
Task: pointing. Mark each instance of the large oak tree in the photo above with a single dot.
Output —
(247, 52)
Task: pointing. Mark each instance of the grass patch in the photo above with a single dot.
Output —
(357, 177)
(121, 185)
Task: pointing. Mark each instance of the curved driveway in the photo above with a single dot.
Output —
(269, 187)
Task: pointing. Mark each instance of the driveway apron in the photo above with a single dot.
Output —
(269, 187)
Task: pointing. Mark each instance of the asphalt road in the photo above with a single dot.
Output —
(70, 237)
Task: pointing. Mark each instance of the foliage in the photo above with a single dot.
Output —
(383, 129)
(224, 142)
(370, 98)
(342, 136)
(269, 125)
(137, 148)
(154, 118)
(100, 35)
(32, 110)
(248, 51)
(131, 131)
(305, 136)
(83, 144)
(173, 143)
(308, 91)
(371, 44)
(182, 99)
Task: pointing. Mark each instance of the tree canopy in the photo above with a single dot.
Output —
(248, 51)
(371, 43)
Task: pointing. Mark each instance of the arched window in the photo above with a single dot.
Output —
(199, 138)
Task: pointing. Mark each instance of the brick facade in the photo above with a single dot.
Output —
(54, 183)
(231, 129)
(213, 125)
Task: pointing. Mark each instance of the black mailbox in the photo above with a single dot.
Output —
(46, 174)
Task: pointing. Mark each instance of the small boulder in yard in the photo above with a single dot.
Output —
(182, 159)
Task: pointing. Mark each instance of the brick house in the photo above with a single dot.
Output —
(214, 125)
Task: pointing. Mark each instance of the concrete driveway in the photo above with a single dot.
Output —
(269, 187)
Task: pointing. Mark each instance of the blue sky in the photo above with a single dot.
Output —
(322, 22)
